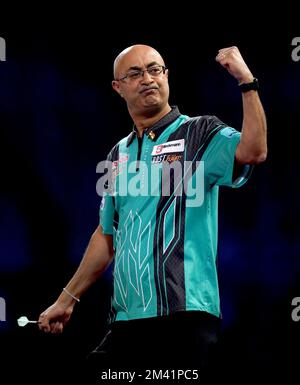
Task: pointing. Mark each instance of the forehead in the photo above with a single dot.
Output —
(138, 58)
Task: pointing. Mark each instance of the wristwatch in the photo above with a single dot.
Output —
(245, 87)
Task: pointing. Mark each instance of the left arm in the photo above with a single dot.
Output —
(252, 148)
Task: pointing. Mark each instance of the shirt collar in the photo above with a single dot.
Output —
(154, 132)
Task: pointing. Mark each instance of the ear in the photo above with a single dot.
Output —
(116, 86)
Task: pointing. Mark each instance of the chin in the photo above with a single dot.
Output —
(152, 102)
(149, 109)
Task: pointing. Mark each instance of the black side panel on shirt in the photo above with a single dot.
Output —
(113, 156)
(169, 261)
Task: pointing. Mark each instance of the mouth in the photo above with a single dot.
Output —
(149, 91)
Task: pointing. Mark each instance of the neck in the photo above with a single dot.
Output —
(142, 122)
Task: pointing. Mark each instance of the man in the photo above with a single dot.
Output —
(165, 281)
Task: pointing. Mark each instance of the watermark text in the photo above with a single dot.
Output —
(296, 311)
(2, 49)
(296, 51)
(2, 309)
(161, 178)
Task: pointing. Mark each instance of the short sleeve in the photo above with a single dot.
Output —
(107, 205)
(219, 158)
(107, 214)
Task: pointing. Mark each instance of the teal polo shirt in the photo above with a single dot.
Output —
(161, 207)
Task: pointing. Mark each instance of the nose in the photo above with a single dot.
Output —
(146, 78)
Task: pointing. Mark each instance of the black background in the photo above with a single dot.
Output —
(60, 117)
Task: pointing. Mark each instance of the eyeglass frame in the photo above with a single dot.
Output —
(141, 72)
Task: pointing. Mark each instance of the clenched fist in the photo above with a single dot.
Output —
(231, 59)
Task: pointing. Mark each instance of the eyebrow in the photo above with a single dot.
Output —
(139, 68)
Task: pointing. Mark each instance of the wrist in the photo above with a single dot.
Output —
(246, 78)
(71, 294)
(67, 298)
(249, 86)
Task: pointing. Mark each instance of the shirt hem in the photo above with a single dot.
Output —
(125, 317)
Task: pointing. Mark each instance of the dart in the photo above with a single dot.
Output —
(23, 321)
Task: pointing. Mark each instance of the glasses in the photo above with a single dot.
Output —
(138, 74)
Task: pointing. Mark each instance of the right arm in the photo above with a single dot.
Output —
(96, 259)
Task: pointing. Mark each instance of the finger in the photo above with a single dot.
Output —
(228, 53)
(44, 328)
(221, 58)
(56, 327)
(43, 324)
(228, 49)
(53, 327)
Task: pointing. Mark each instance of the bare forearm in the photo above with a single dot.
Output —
(253, 145)
(97, 257)
(252, 148)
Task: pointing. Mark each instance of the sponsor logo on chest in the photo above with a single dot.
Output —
(168, 151)
(166, 148)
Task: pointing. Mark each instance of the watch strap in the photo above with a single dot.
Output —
(245, 87)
